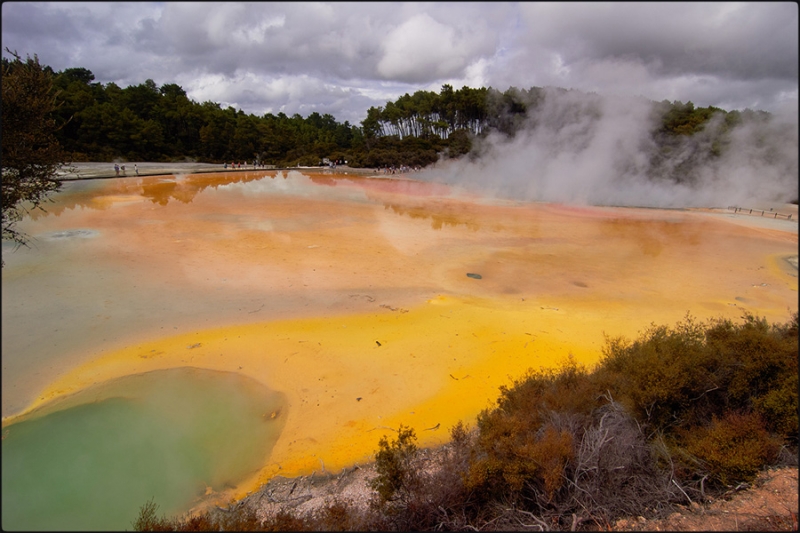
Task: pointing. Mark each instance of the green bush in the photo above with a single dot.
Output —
(666, 377)
(761, 367)
(778, 406)
(683, 377)
(394, 463)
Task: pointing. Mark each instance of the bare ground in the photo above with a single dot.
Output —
(769, 504)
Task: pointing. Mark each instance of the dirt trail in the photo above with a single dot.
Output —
(770, 504)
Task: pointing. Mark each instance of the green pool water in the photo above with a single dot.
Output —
(92, 460)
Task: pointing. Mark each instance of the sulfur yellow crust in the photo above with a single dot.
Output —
(351, 379)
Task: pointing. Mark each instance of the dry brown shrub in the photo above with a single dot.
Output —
(337, 515)
(551, 453)
(615, 472)
(732, 449)
(148, 520)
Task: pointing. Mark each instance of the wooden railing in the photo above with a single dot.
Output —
(760, 212)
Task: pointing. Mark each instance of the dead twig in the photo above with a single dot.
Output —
(682, 491)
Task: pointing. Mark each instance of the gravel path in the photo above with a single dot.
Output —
(106, 170)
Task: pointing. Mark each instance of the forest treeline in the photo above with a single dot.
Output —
(147, 122)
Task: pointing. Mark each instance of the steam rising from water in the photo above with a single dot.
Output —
(588, 149)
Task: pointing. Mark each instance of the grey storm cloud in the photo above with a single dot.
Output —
(736, 41)
(341, 58)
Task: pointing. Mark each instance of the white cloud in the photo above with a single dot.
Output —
(422, 47)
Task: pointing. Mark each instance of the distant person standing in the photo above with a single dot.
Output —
(226, 165)
(136, 168)
(122, 168)
(116, 169)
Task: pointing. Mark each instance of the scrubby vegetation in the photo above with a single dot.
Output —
(676, 416)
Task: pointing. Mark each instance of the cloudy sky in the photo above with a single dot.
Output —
(342, 58)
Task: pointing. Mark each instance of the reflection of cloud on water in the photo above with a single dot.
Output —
(70, 234)
(260, 225)
(295, 183)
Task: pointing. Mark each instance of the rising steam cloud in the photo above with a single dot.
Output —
(587, 149)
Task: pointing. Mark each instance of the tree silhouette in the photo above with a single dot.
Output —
(31, 154)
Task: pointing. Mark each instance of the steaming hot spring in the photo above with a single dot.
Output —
(187, 338)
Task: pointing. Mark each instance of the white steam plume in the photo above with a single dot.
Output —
(588, 149)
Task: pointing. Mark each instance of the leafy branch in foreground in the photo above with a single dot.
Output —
(31, 154)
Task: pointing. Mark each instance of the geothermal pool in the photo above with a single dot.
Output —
(186, 338)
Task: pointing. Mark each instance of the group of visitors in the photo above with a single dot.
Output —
(121, 168)
(402, 169)
(237, 165)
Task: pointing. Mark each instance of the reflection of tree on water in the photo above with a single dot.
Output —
(159, 190)
(437, 219)
(184, 190)
(400, 185)
(652, 236)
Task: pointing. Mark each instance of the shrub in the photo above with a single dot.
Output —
(778, 406)
(565, 389)
(684, 376)
(615, 471)
(394, 463)
(282, 521)
(666, 377)
(764, 376)
(732, 449)
(149, 521)
(520, 460)
(337, 516)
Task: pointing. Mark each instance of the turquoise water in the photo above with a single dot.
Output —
(91, 461)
